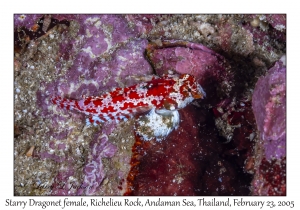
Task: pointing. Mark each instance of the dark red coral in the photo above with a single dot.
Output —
(236, 123)
(195, 159)
(270, 178)
(188, 162)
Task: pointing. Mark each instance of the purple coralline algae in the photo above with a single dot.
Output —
(93, 71)
(216, 148)
(211, 70)
(101, 53)
(269, 107)
(277, 21)
(184, 172)
(93, 170)
(26, 20)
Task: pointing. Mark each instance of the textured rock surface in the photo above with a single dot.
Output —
(75, 55)
(269, 107)
(211, 69)
(86, 58)
(190, 161)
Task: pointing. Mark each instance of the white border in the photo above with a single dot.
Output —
(152, 6)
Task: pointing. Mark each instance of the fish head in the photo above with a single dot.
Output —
(190, 87)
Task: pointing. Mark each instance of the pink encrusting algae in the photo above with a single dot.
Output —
(217, 147)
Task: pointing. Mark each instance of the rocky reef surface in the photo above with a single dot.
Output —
(232, 142)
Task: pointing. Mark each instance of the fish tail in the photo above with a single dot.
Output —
(68, 104)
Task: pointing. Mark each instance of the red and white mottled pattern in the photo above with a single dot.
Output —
(165, 94)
